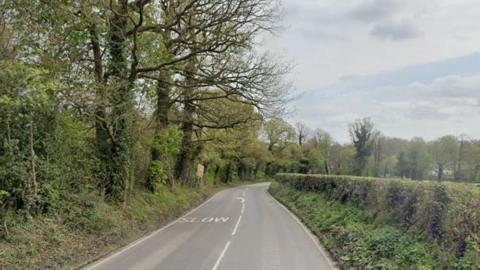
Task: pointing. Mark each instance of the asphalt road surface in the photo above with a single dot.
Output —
(242, 228)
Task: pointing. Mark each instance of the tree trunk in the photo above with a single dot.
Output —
(215, 173)
(163, 89)
(228, 172)
(256, 169)
(32, 163)
(122, 100)
(185, 159)
(101, 126)
(162, 110)
(185, 163)
(440, 172)
(327, 167)
(458, 169)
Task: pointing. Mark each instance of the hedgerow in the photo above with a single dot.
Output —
(445, 215)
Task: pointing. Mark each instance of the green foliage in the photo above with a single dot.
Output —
(234, 154)
(86, 227)
(157, 174)
(27, 121)
(86, 95)
(443, 216)
(363, 137)
(167, 143)
(346, 232)
(49, 198)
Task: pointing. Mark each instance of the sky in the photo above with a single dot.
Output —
(412, 66)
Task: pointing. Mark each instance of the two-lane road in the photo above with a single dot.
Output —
(241, 228)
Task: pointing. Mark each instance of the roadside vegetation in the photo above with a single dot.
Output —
(371, 223)
(117, 116)
(367, 202)
(88, 227)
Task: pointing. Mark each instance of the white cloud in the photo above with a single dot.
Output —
(327, 41)
(448, 105)
(396, 30)
(343, 43)
(373, 10)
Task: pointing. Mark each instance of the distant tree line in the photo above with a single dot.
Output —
(300, 149)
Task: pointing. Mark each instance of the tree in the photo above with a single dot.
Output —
(419, 158)
(403, 169)
(388, 166)
(278, 134)
(212, 66)
(317, 151)
(363, 136)
(458, 172)
(302, 132)
(342, 159)
(444, 153)
(234, 153)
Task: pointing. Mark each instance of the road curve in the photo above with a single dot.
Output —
(241, 228)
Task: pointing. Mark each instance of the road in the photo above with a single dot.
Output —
(241, 228)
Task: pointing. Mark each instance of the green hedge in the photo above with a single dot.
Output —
(444, 214)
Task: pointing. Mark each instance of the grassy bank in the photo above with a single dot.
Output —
(87, 228)
(369, 223)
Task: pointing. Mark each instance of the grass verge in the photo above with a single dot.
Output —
(87, 228)
(354, 241)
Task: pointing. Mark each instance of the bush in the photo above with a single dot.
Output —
(353, 241)
(446, 215)
(167, 143)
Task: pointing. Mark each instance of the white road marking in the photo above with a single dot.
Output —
(242, 199)
(221, 219)
(139, 241)
(236, 225)
(308, 232)
(217, 263)
(207, 219)
(203, 220)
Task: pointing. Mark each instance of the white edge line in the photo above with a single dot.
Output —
(217, 263)
(236, 225)
(308, 232)
(152, 234)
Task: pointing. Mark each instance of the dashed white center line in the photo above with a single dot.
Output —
(235, 229)
(217, 263)
(236, 225)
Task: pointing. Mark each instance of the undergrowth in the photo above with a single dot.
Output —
(357, 241)
(86, 227)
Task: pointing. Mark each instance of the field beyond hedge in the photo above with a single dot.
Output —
(376, 223)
